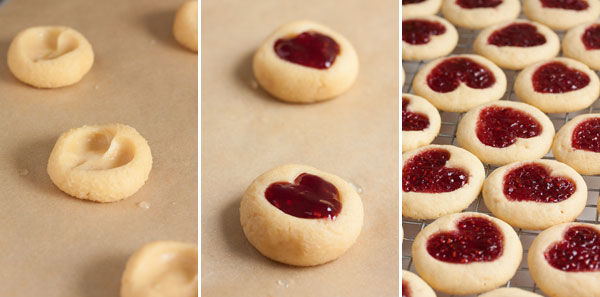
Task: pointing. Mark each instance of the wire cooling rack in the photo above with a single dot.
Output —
(522, 279)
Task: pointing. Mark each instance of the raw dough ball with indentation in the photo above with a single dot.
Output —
(185, 27)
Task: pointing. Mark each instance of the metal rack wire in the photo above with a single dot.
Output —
(522, 279)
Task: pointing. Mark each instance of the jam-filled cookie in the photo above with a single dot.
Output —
(536, 194)
(561, 14)
(564, 260)
(502, 132)
(582, 43)
(420, 122)
(509, 292)
(478, 14)
(459, 83)
(577, 145)
(415, 8)
(439, 180)
(301, 216)
(414, 286)
(517, 44)
(427, 37)
(185, 26)
(305, 62)
(467, 253)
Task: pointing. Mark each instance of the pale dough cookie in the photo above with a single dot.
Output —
(582, 43)
(576, 144)
(504, 131)
(517, 44)
(162, 269)
(414, 286)
(480, 14)
(331, 73)
(509, 292)
(415, 8)
(558, 85)
(439, 180)
(467, 253)
(564, 260)
(50, 56)
(185, 26)
(420, 122)
(427, 37)
(459, 83)
(103, 163)
(561, 14)
(535, 195)
(319, 218)
(403, 77)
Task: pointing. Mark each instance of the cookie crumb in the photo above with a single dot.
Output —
(143, 204)
(283, 283)
(357, 188)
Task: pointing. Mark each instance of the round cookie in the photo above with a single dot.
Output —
(484, 251)
(564, 260)
(517, 44)
(414, 286)
(185, 26)
(299, 215)
(535, 195)
(561, 14)
(509, 292)
(502, 132)
(416, 8)
(576, 144)
(427, 37)
(459, 83)
(305, 62)
(420, 122)
(50, 56)
(582, 43)
(439, 180)
(477, 14)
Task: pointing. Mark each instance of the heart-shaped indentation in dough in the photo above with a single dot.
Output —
(447, 75)
(420, 31)
(586, 135)
(412, 121)
(100, 151)
(310, 49)
(578, 251)
(556, 78)
(43, 45)
(426, 172)
(565, 4)
(533, 182)
(501, 126)
(517, 34)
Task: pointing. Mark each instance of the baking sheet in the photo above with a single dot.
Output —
(246, 132)
(56, 245)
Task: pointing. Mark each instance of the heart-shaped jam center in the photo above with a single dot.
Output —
(579, 251)
(412, 121)
(447, 75)
(310, 49)
(533, 182)
(469, 4)
(475, 240)
(586, 135)
(591, 37)
(404, 2)
(501, 126)
(521, 35)
(565, 4)
(556, 77)
(426, 173)
(309, 197)
(420, 31)
(405, 289)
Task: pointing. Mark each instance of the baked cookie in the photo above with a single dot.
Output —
(439, 180)
(459, 83)
(416, 8)
(582, 43)
(564, 260)
(558, 85)
(305, 62)
(517, 44)
(185, 26)
(467, 253)
(577, 145)
(50, 56)
(561, 14)
(414, 286)
(403, 77)
(301, 216)
(427, 37)
(509, 292)
(502, 132)
(478, 14)
(535, 195)
(420, 122)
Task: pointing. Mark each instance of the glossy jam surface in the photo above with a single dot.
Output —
(476, 240)
(404, 2)
(591, 37)
(521, 35)
(447, 75)
(469, 4)
(310, 49)
(556, 78)
(578, 251)
(586, 135)
(565, 4)
(533, 182)
(420, 31)
(309, 197)
(412, 121)
(426, 173)
(501, 126)
(405, 289)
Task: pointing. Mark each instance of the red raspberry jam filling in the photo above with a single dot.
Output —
(578, 251)
(533, 182)
(565, 4)
(476, 240)
(469, 4)
(420, 31)
(412, 121)
(404, 2)
(309, 197)
(586, 135)
(405, 289)
(591, 37)
(556, 77)
(310, 49)
(447, 75)
(501, 126)
(520, 34)
(425, 173)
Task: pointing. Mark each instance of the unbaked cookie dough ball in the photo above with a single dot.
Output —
(103, 163)
(305, 62)
(299, 215)
(185, 26)
(50, 56)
